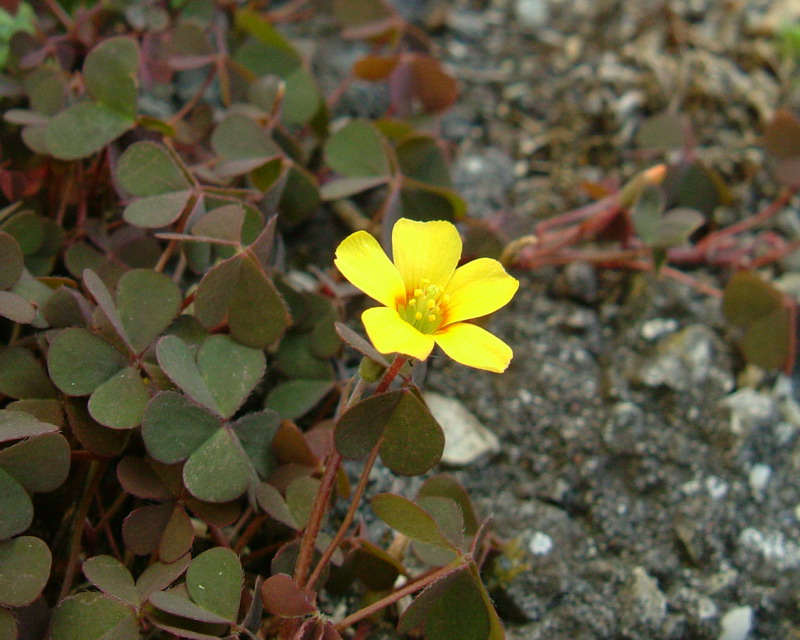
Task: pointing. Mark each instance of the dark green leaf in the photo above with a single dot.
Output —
(271, 501)
(300, 496)
(16, 508)
(255, 432)
(295, 398)
(22, 376)
(148, 169)
(230, 370)
(83, 129)
(296, 359)
(120, 401)
(362, 425)
(16, 308)
(173, 428)
(178, 536)
(214, 581)
(93, 616)
(157, 211)
(148, 301)
(110, 73)
(79, 361)
(357, 151)
(112, 578)
(178, 363)
(18, 424)
(409, 519)
(302, 97)
(176, 605)
(447, 487)
(24, 570)
(11, 260)
(219, 470)
(38, 464)
(300, 199)
(240, 138)
(421, 158)
(160, 575)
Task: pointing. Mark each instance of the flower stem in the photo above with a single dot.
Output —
(328, 481)
(393, 597)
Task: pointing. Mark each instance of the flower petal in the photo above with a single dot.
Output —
(478, 288)
(428, 250)
(391, 334)
(362, 261)
(474, 347)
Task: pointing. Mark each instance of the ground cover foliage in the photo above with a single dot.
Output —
(178, 388)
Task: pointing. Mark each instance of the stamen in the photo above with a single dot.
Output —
(418, 316)
(431, 318)
(431, 304)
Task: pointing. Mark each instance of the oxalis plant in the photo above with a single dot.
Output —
(178, 391)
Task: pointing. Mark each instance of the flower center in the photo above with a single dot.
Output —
(424, 310)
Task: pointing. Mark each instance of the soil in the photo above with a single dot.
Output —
(646, 482)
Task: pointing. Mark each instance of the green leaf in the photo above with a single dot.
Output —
(148, 169)
(160, 575)
(43, 409)
(271, 501)
(16, 508)
(409, 519)
(240, 138)
(176, 605)
(173, 428)
(94, 437)
(214, 581)
(93, 616)
(148, 302)
(255, 432)
(357, 151)
(302, 98)
(223, 223)
(79, 361)
(421, 158)
(47, 89)
(360, 427)
(39, 464)
(178, 363)
(447, 487)
(765, 313)
(157, 211)
(11, 260)
(18, 424)
(83, 129)
(239, 289)
(413, 441)
(427, 202)
(24, 570)
(178, 536)
(255, 24)
(295, 398)
(120, 401)
(16, 308)
(219, 470)
(27, 229)
(110, 74)
(447, 515)
(300, 198)
(296, 359)
(300, 497)
(22, 376)
(346, 187)
(455, 607)
(112, 578)
(230, 370)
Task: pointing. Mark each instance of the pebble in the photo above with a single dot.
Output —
(540, 544)
(466, 439)
(736, 624)
(750, 409)
(759, 479)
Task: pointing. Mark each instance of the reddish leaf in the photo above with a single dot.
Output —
(282, 597)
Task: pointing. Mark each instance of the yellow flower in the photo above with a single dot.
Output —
(426, 298)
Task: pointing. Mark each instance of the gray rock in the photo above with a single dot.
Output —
(484, 180)
(736, 624)
(750, 409)
(644, 605)
(466, 439)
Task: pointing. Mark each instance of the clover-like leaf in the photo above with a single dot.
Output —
(243, 144)
(22, 376)
(295, 398)
(24, 570)
(173, 428)
(409, 519)
(112, 578)
(767, 317)
(412, 439)
(110, 74)
(83, 129)
(93, 616)
(16, 508)
(11, 260)
(147, 302)
(239, 291)
(79, 361)
(39, 464)
(164, 528)
(357, 150)
(148, 169)
(455, 607)
(214, 582)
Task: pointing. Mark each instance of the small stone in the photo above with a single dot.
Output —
(759, 478)
(658, 327)
(531, 13)
(540, 544)
(466, 439)
(750, 409)
(736, 624)
(646, 605)
(772, 546)
(581, 280)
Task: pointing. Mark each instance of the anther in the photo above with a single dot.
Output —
(418, 316)
(431, 318)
